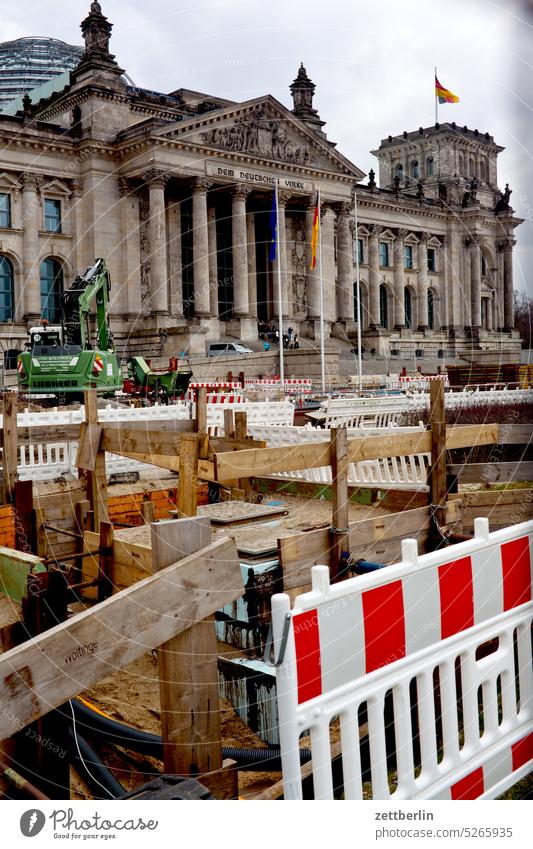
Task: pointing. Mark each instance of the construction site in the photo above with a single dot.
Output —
(203, 599)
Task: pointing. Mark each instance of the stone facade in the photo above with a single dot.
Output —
(175, 192)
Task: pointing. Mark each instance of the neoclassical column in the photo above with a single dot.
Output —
(252, 263)
(200, 247)
(31, 220)
(489, 312)
(422, 287)
(345, 309)
(281, 258)
(213, 259)
(131, 254)
(174, 258)
(373, 274)
(312, 275)
(399, 280)
(467, 282)
(157, 236)
(328, 262)
(508, 307)
(240, 251)
(475, 290)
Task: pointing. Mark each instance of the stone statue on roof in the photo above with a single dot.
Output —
(96, 9)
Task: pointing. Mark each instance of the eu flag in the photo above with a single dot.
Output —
(273, 223)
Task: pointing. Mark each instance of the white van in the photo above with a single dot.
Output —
(228, 348)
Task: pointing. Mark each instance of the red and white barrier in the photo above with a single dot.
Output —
(422, 620)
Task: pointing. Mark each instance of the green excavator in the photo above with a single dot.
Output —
(64, 360)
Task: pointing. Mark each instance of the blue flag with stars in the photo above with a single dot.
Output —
(273, 223)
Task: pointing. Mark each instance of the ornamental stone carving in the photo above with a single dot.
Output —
(156, 177)
(258, 133)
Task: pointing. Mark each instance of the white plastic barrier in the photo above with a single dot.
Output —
(48, 461)
(407, 472)
(406, 642)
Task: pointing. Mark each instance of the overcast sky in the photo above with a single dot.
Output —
(372, 63)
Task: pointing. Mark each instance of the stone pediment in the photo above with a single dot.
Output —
(263, 130)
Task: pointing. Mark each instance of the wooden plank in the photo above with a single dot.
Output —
(121, 439)
(96, 478)
(38, 676)
(25, 518)
(90, 438)
(229, 424)
(491, 472)
(45, 434)
(515, 434)
(339, 548)
(501, 496)
(268, 461)
(9, 447)
(131, 563)
(148, 512)
(188, 474)
(437, 470)
(299, 552)
(188, 668)
(161, 461)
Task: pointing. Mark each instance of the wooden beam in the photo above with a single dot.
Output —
(339, 548)
(120, 438)
(188, 474)
(188, 676)
(89, 445)
(437, 470)
(267, 461)
(229, 424)
(9, 447)
(58, 664)
(96, 478)
(491, 472)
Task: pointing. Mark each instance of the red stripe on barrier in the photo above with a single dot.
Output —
(456, 597)
(516, 566)
(307, 643)
(469, 787)
(383, 617)
(522, 752)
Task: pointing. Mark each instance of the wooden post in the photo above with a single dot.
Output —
(105, 561)
(229, 424)
(241, 433)
(24, 517)
(188, 474)
(9, 447)
(339, 548)
(437, 472)
(201, 421)
(148, 512)
(96, 479)
(188, 675)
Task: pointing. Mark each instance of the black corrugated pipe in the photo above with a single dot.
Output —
(146, 743)
(93, 770)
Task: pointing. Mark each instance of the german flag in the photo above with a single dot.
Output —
(314, 235)
(443, 94)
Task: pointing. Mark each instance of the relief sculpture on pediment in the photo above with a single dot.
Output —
(258, 133)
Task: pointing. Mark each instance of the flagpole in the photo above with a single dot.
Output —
(322, 360)
(436, 98)
(280, 298)
(358, 290)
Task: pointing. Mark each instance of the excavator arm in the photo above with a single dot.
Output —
(92, 287)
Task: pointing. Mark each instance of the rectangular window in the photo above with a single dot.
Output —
(5, 210)
(432, 264)
(384, 254)
(358, 253)
(408, 256)
(52, 216)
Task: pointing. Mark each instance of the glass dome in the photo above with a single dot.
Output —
(30, 62)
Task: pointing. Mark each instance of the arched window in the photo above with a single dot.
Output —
(472, 169)
(483, 170)
(431, 309)
(383, 306)
(398, 170)
(430, 167)
(408, 306)
(51, 289)
(415, 170)
(461, 165)
(6, 289)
